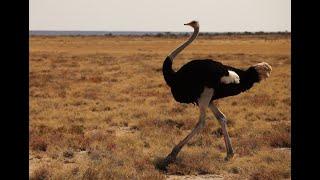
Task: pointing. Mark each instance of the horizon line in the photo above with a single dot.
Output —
(159, 31)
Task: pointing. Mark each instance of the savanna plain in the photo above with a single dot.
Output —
(100, 109)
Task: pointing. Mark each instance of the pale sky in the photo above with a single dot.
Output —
(161, 15)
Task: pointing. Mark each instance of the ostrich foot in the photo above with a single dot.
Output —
(169, 159)
(163, 164)
(229, 156)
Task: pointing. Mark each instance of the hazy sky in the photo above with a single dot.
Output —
(161, 15)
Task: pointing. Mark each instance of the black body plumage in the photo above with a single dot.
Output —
(189, 81)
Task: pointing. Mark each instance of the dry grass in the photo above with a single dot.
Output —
(100, 109)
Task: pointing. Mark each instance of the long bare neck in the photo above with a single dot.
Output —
(174, 53)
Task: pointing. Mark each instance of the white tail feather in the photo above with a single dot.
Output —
(231, 78)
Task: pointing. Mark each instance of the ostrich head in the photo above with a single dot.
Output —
(263, 69)
(194, 24)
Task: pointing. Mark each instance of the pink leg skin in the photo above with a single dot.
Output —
(223, 122)
(204, 101)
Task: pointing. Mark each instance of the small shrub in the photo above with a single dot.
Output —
(266, 174)
(235, 170)
(279, 137)
(77, 129)
(38, 143)
(90, 174)
(40, 174)
(68, 153)
(247, 146)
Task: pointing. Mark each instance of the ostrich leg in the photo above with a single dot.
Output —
(223, 122)
(203, 101)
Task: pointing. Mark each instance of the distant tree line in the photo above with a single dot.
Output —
(181, 34)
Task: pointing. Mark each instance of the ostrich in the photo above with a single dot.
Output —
(201, 82)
